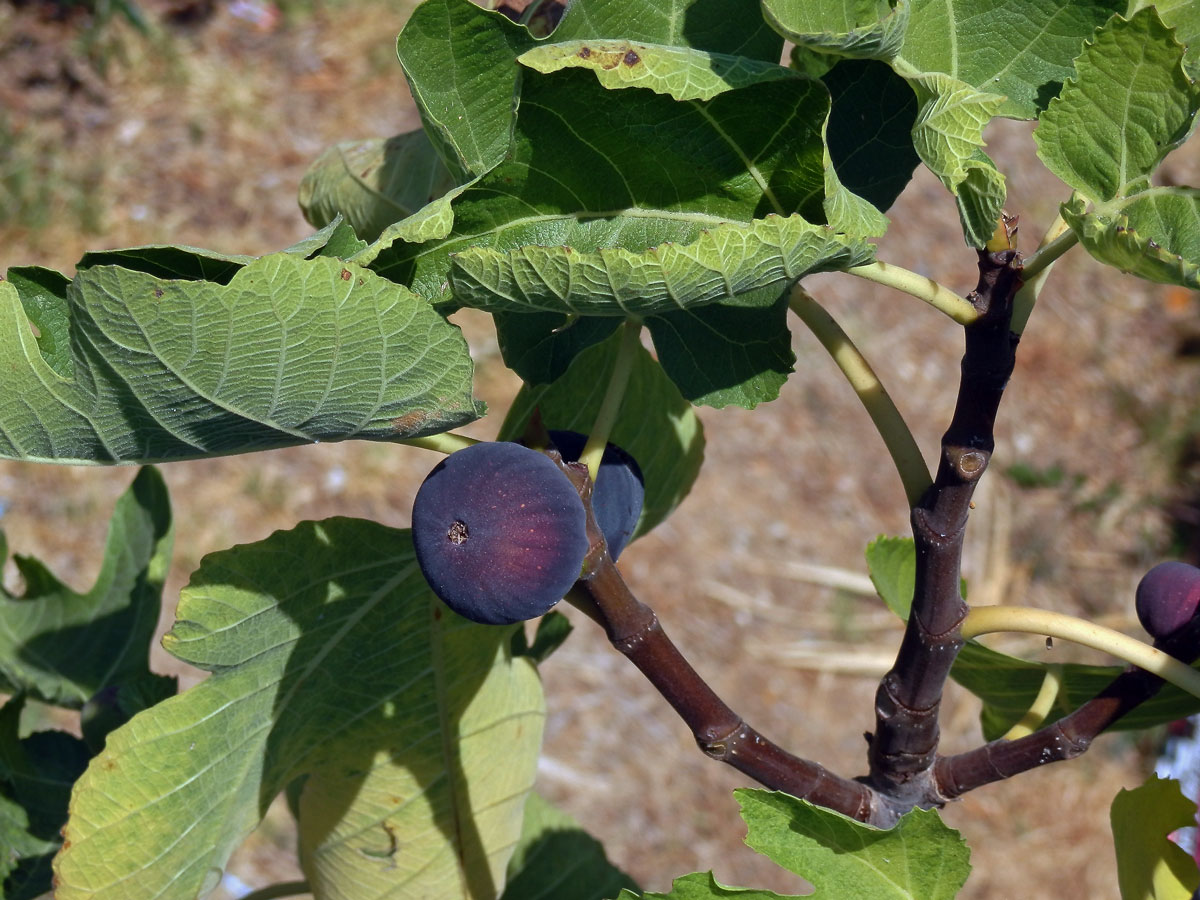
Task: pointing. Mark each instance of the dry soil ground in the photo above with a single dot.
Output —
(199, 135)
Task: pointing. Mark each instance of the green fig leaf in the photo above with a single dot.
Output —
(331, 662)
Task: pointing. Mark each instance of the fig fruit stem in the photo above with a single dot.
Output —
(897, 437)
(1059, 238)
(614, 394)
(935, 294)
(1026, 620)
(447, 442)
(1042, 704)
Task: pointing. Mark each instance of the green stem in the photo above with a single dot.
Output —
(936, 295)
(610, 406)
(283, 889)
(446, 442)
(1042, 704)
(1058, 240)
(897, 437)
(988, 619)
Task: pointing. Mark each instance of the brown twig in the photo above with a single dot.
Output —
(1066, 738)
(904, 745)
(722, 734)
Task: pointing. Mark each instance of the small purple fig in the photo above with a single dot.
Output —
(1168, 596)
(617, 497)
(500, 533)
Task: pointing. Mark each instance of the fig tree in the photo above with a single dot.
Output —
(499, 531)
(1168, 596)
(619, 491)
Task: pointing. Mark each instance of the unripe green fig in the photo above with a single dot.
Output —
(500, 532)
(1168, 597)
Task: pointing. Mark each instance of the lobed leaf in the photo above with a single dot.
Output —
(731, 263)
(1128, 105)
(722, 355)
(657, 426)
(62, 647)
(1184, 17)
(374, 183)
(869, 145)
(733, 27)
(680, 72)
(288, 351)
(557, 860)
(1154, 234)
(331, 661)
(592, 168)
(919, 858)
(948, 136)
(1020, 49)
(460, 62)
(36, 774)
(1149, 864)
(859, 29)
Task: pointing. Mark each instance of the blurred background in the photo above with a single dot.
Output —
(192, 122)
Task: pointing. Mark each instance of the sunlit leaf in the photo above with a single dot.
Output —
(330, 659)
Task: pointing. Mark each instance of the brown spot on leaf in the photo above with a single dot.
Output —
(346, 276)
(158, 292)
(410, 421)
(585, 52)
(631, 59)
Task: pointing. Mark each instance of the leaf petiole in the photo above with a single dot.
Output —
(1042, 704)
(1026, 620)
(447, 442)
(936, 295)
(610, 406)
(897, 436)
(1059, 238)
(282, 889)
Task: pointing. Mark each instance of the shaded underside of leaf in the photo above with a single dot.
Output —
(290, 351)
(36, 774)
(330, 659)
(732, 264)
(460, 62)
(62, 647)
(1127, 105)
(859, 29)
(374, 183)
(1154, 235)
(721, 355)
(1022, 49)
(592, 168)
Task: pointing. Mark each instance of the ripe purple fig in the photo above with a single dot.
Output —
(1168, 596)
(619, 491)
(500, 533)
